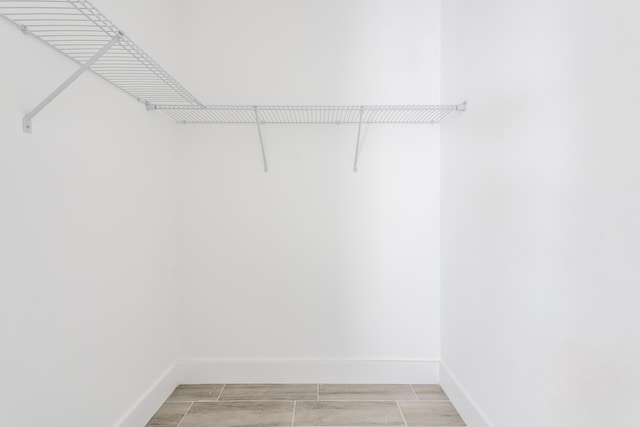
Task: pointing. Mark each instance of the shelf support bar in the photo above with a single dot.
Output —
(355, 161)
(26, 122)
(264, 156)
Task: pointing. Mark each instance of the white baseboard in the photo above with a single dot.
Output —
(143, 409)
(466, 406)
(308, 371)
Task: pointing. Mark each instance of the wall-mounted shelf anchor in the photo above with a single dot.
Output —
(26, 122)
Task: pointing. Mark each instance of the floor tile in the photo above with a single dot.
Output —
(366, 392)
(430, 414)
(270, 392)
(195, 392)
(169, 415)
(239, 414)
(347, 414)
(429, 392)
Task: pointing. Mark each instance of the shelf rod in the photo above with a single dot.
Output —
(355, 161)
(264, 156)
(26, 122)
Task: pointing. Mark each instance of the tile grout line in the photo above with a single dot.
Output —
(293, 418)
(401, 414)
(311, 400)
(221, 390)
(251, 400)
(414, 391)
(185, 414)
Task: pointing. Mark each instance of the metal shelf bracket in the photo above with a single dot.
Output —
(264, 156)
(26, 121)
(355, 161)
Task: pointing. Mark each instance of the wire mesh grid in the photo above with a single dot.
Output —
(273, 114)
(78, 30)
(81, 32)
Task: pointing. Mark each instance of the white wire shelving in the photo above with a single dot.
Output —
(309, 114)
(81, 32)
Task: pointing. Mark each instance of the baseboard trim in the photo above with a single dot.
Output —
(143, 409)
(308, 371)
(466, 406)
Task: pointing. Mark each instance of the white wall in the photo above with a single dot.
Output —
(87, 314)
(540, 212)
(310, 262)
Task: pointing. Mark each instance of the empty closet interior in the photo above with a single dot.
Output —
(296, 191)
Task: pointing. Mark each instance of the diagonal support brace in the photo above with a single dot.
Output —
(26, 122)
(355, 162)
(264, 156)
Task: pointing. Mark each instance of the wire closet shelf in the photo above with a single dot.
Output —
(78, 30)
(308, 114)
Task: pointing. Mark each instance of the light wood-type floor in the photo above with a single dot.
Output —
(286, 405)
